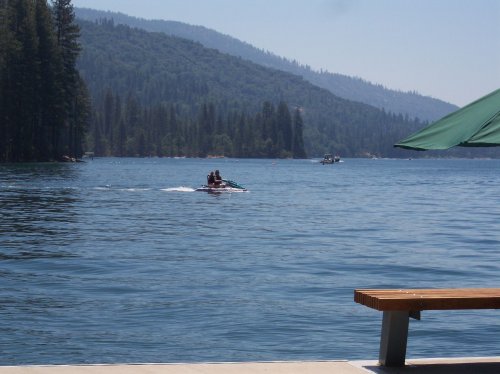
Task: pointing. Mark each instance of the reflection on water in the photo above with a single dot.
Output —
(37, 210)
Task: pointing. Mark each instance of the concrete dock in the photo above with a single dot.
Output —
(482, 365)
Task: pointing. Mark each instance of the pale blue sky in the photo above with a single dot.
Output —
(447, 49)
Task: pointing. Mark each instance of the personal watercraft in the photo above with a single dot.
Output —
(225, 186)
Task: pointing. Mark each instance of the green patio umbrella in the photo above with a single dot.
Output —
(475, 125)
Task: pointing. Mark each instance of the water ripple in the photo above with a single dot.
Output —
(119, 260)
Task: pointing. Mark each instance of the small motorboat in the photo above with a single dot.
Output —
(330, 159)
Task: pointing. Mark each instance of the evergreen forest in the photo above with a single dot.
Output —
(159, 95)
(124, 127)
(69, 86)
(44, 104)
(351, 88)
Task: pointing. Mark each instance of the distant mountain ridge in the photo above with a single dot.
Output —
(151, 77)
(411, 104)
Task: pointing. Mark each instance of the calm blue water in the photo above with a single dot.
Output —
(119, 260)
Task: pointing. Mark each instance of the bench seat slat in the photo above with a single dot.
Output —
(429, 299)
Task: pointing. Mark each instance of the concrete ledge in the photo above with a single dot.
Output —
(461, 365)
(483, 365)
(302, 367)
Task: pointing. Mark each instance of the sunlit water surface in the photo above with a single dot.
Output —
(120, 260)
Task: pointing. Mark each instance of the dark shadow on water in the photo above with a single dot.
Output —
(37, 207)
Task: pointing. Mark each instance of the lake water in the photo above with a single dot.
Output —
(120, 261)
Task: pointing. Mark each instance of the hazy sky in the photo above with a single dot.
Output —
(447, 49)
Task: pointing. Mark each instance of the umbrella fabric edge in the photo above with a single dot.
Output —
(475, 125)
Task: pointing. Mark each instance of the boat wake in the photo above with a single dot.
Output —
(178, 189)
(175, 189)
(126, 189)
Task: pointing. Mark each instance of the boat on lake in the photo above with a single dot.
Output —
(330, 159)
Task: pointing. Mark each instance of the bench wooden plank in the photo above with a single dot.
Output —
(429, 299)
(399, 305)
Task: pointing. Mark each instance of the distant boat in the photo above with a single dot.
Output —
(330, 159)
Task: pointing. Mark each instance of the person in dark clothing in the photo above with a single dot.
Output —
(211, 179)
(218, 179)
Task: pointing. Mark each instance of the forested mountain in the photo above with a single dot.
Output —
(151, 94)
(355, 89)
(191, 100)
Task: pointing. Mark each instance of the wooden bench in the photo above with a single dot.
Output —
(399, 305)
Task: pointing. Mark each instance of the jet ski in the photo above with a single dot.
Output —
(225, 186)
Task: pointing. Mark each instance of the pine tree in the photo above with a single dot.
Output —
(5, 33)
(284, 123)
(41, 93)
(298, 140)
(67, 34)
(81, 115)
(50, 94)
(267, 120)
(5, 45)
(20, 80)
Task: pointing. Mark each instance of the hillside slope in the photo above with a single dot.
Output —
(156, 68)
(355, 89)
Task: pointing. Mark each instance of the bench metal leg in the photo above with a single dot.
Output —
(393, 339)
